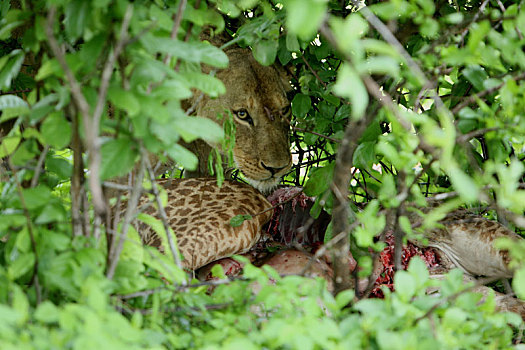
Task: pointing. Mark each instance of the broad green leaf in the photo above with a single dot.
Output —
(350, 85)
(10, 69)
(191, 128)
(56, 130)
(405, 285)
(36, 197)
(183, 156)
(477, 76)
(76, 15)
(301, 104)
(206, 83)
(364, 155)
(52, 212)
(239, 219)
(46, 312)
(319, 180)
(518, 283)
(9, 145)
(463, 183)
(59, 166)
(197, 52)
(292, 44)
(265, 51)
(454, 317)
(23, 264)
(418, 270)
(124, 99)
(380, 65)
(12, 106)
(118, 157)
(304, 16)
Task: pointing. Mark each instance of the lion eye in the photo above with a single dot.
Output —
(285, 110)
(243, 115)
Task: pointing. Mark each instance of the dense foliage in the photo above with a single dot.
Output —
(396, 100)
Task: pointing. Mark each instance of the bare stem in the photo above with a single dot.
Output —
(162, 214)
(136, 192)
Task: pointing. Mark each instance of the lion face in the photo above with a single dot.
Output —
(256, 97)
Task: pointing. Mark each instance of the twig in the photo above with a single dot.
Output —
(314, 72)
(176, 24)
(83, 106)
(162, 213)
(29, 230)
(473, 98)
(452, 297)
(38, 168)
(316, 134)
(114, 255)
(474, 19)
(473, 134)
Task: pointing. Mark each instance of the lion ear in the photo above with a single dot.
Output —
(286, 74)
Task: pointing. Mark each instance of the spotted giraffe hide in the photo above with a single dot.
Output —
(468, 240)
(199, 212)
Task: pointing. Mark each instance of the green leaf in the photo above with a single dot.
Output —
(182, 156)
(319, 180)
(36, 197)
(301, 104)
(518, 283)
(380, 65)
(9, 145)
(197, 52)
(476, 75)
(12, 106)
(124, 99)
(364, 155)
(239, 219)
(206, 83)
(304, 16)
(265, 51)
(56, 130)
(292, 44)
(118, 157)
(10, 69)
(46, 312)
(77, 13)
(59, 166)
(464, 184)
(23, 264)
(191, 128)
(350, 85)
(405, 285)
(53, 212)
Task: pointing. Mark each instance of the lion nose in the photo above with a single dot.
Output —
(273, 170)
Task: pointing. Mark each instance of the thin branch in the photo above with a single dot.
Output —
(83, 106)
(162, 213)
(39, 165)
(176, 24)
(452, 297)
(474, 19)
(295, 128)
(136, 192)
(29, 229)
(473, 134)
(314, 72)
(473, 98)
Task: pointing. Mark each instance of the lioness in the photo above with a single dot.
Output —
(256, 97)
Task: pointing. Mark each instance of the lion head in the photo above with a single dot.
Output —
(256, 97)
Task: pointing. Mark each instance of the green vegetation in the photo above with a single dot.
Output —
(391, 103)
